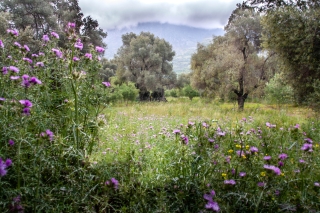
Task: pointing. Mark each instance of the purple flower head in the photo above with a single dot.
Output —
(1, 44)
(205, 125)
(17, 44)
(230, 182)
(261, 184)
(11, 142)
(14, 69)
(54, 34)
(254, 149)
(242, 174)
(115, 183)
(267, 157)
(297, 126)
(14, 77)
(13, 32)
(185, 139)
(307, 147)
(35, 80)
(26, 111)
(190, 123)
(4, 70)
(25, 81)
(280, 164)
(275, 169)
(45, 38)
(88, 55)
(308, 140)
(49, 134)
(26, 48)
(78, 44)
(71, 25)
(26, 103)
(283, 156)
(213, 206)
(4, 165)
(211, 140)
(176, 131)
(99, 49)
(41, 53)
(221, 133)
(302, 161)
(317, 184)
(76, 59)
(34, 56)
(40, 64)
(28, 60)
(2, 99)
(107, 84)
(270, 125)
(57, 52)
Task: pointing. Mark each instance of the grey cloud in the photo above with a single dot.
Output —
(125, 13)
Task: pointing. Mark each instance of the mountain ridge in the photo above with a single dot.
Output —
(183, 39)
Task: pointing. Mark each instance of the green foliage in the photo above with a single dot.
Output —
(129, 92)
(278, 91)
(50, 111)
(190, 92)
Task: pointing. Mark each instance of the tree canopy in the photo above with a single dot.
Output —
(146, 60)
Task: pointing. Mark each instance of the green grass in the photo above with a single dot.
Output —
(140, 150)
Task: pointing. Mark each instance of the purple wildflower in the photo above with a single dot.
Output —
(242, 174)
(17, 44)
(26, 48)
(297, 126)
(275, 169)
(176, 131)
(76, 59)
(230, 182)
(185, 139)
(211, 140)
(2, 99)
(13, 32)
(267, 157)
(317, 184)
(113, 182)
(57, 52)
(14, 69)
(45, 38)
(78, 44)
(302, 161)
(14, 77)
(11, 142)
(307, 147)
(26, 103)
(40, 64)
(28, 60)
(35, 80)
(1, 44)
(54, 34)
(283, 156)
(26, 111)
(107, 84)
(99, 49)
(254, 149)
(270, 125)
(41, 53)
(308, 140)
(261, 184)
(4, 166)
(34, 55)
(211, 204)
(4, 70)
(280, 164)
(88, 55)
(71, 25)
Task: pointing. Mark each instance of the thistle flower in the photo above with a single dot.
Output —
(26, 103)
(11, 142)
(176, 131)
(254, 149)
(54, 34)
(13, 32)
(211, 204)
(4, 165)
(17, 44)
(71, 25)
(283, 156)
(230, 182)
(307, 147)
(99, 49)
(40, 64)
(76, 59)
(1, 44)
(26, 48)
(275, 169)
(267, 157)
(45, 38)
(88, 55)
(28, 60)
(4, 70)
(107, 84)
(78, 44)
(14, 69)
(57, 52)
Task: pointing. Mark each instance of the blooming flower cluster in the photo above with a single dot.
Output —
(113, 182)
(211, 204)
(4, 165)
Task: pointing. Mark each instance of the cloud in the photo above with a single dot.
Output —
(118, 14)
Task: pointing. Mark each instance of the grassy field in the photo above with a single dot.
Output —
(172, 156)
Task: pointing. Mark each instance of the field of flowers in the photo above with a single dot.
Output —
(199, 157)
(65, 148)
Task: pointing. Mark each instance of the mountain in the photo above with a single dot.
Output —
(183, 39)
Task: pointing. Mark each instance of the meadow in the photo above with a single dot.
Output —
(68, 146)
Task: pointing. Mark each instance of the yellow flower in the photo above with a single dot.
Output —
(282, 174)
(224, 175)
(263, 174)
(317, 145)
(238, 146)
(230, 151)
(244, 157)
(247, 146)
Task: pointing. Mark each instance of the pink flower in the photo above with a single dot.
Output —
(99, 49)
(107, 84)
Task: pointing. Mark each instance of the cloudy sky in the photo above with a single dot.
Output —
(118, 14)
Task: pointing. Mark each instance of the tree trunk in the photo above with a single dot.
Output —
(241, 100)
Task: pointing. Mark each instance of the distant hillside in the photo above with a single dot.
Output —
(182, 38)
